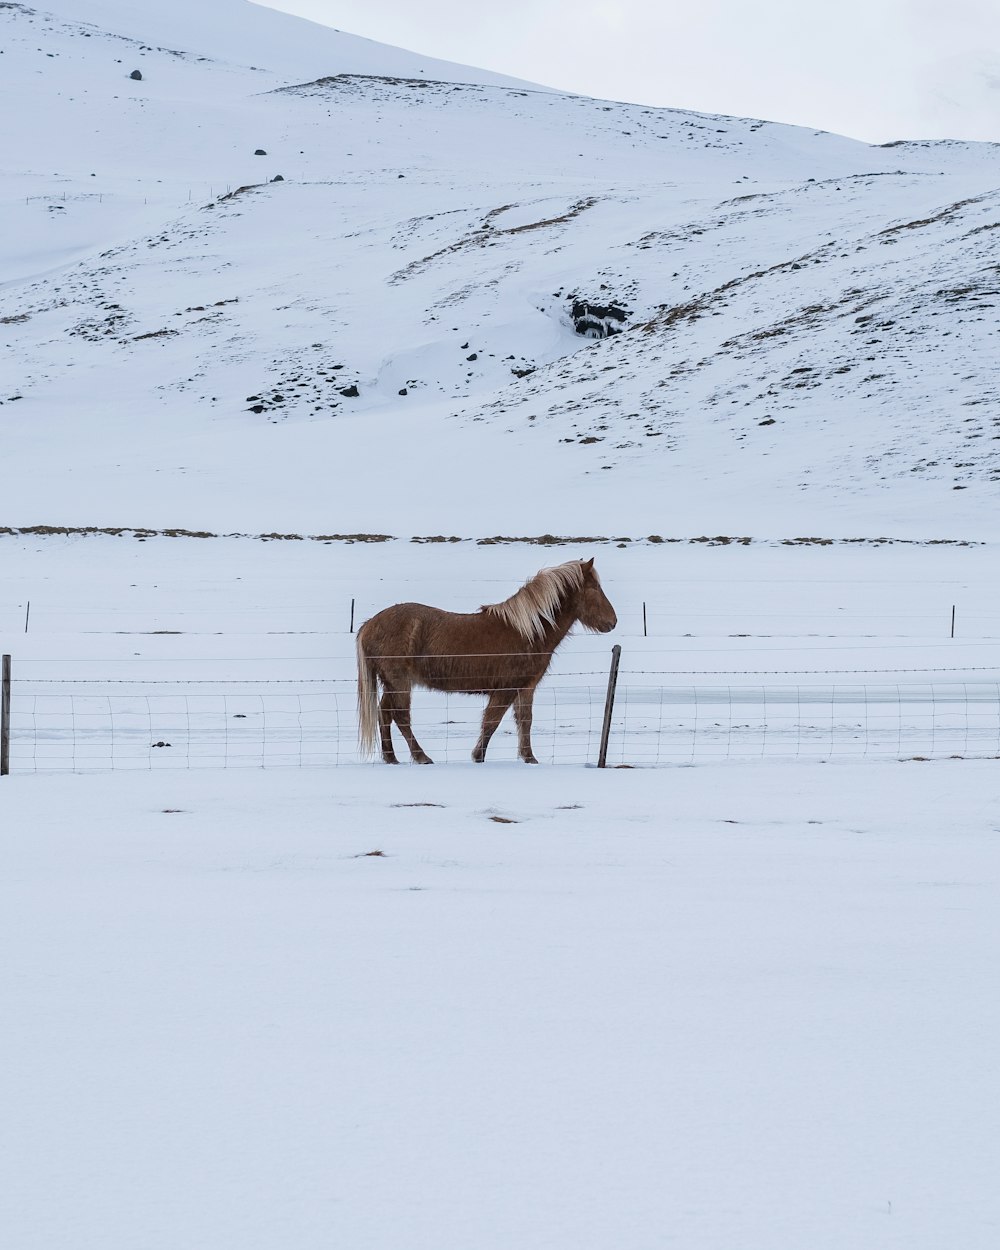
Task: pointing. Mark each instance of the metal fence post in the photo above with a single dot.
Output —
(609, 705)
(5, 717)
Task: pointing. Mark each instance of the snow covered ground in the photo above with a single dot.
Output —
(740, 1003)
(730, 1005)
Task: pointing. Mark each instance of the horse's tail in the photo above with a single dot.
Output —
(367, 700)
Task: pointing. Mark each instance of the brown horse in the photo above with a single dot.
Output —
(501, 651)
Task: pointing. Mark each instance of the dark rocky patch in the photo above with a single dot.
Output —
(154, 334)
(597, 321)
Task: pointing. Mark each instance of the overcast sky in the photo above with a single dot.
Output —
(873, 69)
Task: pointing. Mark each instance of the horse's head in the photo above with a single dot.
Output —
(595, 610)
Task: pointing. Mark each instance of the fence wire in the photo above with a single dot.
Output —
(84, 726)
(87, 725)
(675, 724)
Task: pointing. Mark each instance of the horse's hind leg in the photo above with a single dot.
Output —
(400, 708)
(499, 702)
(385, 711)
(522, 716)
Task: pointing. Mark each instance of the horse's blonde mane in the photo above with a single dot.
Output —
(534, 606)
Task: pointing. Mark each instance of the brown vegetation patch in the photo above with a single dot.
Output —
(941, 215)
(250, 186)
(721, 540)
(487, 233)
(542, 540)
(579, 207)
(693, 309)
(537, 540)
(352, 538)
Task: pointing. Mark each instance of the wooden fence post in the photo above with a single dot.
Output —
(609, 705)
(5, 717)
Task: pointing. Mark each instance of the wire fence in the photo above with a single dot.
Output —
(651, 617)
(84, 725)
(676, 724)
(222, 725)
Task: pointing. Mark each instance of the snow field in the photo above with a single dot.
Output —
(731, 1004)
(724, 1005)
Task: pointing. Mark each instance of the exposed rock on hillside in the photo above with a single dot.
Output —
(598, 321)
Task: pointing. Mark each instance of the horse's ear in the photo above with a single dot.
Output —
(587, 564)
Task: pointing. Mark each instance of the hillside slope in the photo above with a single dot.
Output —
(808, 324)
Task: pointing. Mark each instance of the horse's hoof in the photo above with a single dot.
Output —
(422, 759)
(389, 759)
(528, 759)
(479, 757)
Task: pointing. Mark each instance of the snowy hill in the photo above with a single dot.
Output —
(368, 326)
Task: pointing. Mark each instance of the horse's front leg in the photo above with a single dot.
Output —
(522, 715)
(401, 715)
(499, 702)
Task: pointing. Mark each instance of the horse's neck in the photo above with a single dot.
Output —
(566, 618)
